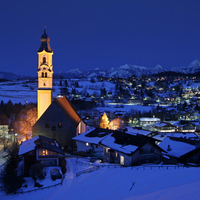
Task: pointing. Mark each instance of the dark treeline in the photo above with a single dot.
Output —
(9, 108)
(81, 104)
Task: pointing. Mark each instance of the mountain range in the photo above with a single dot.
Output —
(127, 70)
(123, 71)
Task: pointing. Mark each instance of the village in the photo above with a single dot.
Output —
(115, 121)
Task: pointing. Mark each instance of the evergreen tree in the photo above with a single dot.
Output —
(66, 83)
(9, 178)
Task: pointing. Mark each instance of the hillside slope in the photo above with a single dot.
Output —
(121, 183)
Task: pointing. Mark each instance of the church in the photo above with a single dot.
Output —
(57, 118)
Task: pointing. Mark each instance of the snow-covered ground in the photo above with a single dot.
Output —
(120, 183)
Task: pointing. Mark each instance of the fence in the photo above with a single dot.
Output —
(87, 170)
(41, 188)
(159, 167)
(101, 165)
(94, 167)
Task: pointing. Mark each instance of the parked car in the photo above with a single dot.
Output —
(55, 174)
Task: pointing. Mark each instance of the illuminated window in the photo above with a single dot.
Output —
(122, 160)
(47, 125)
(116, 154)
(87, 144)
(43, 152)
(59, 124)
(107, 150)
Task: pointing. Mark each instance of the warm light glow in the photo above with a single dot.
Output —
(104, 121)
(115, 124)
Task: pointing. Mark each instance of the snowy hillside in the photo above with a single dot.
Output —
(119, 183)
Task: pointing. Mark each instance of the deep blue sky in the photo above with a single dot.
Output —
(87, 34)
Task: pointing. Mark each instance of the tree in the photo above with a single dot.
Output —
(103, 92)
(10, 179)
(66, 83)
(76, 84)
(92, 80)
(116, 124)
(104, 121)
(24, 121)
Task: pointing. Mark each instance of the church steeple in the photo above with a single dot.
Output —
(45, 74)
(45, 43)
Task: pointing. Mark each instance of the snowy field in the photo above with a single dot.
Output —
(120, 183)
(25, 92)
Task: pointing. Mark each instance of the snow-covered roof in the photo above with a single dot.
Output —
(160, 124)
(91, 138)
(42, 142)
(27, 145)
(163, 135)
(177, 148)
(109, 141)
(149, 119)
(135, 131)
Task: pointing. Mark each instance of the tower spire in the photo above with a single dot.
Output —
(45, 75)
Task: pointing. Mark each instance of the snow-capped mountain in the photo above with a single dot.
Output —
(70, 74)
(124, 71)
(192, 68)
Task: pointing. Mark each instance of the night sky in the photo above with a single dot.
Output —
(89, 34)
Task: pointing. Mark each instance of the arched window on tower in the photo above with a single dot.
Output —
(42, 74)
(44, 59)
(45, 74)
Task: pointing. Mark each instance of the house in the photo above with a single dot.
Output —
(160, 136)
(138, 130)
(148, 120)
(130, 149)
(4, 122)
(164, 127)
(180, 150)
(4, 136)
(90, 140)
(186, 126)
(60, 122)
(42, 149)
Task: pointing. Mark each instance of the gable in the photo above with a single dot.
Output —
(68, 109)
(39, 142)
(58, 109)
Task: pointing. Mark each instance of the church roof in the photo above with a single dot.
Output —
(68, 109)
(45, 43)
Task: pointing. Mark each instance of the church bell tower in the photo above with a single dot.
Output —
(45, 75)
